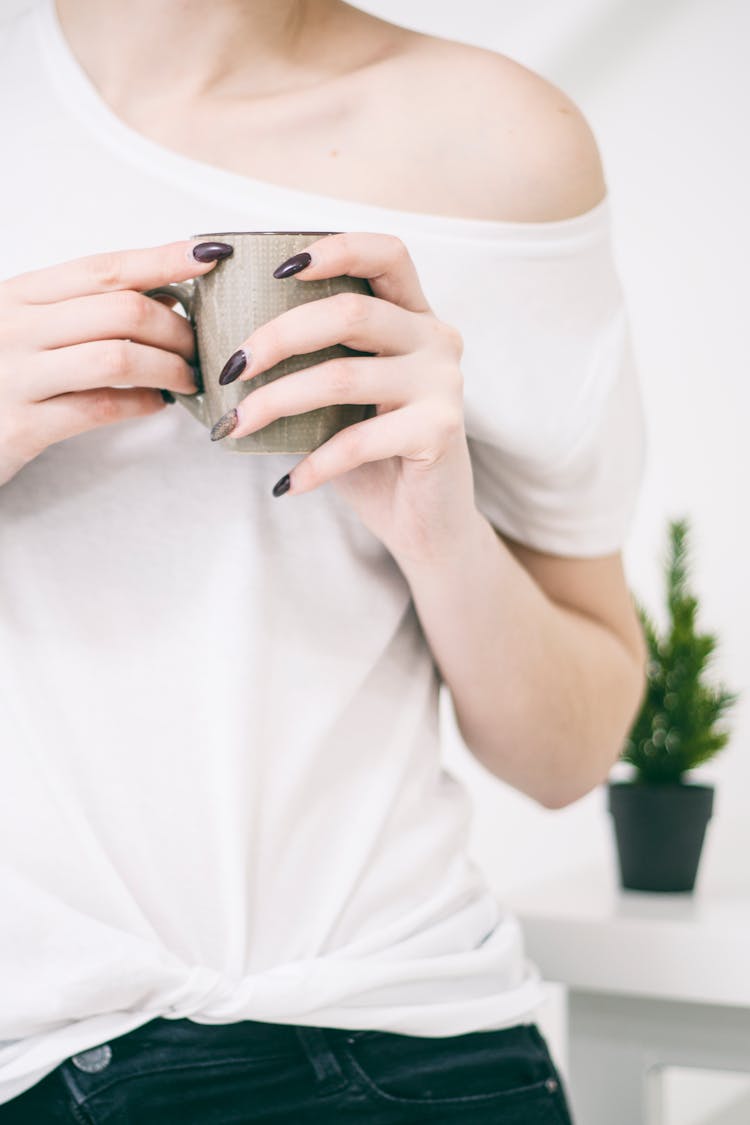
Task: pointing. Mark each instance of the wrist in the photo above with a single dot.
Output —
(452, 549)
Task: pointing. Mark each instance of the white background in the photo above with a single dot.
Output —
(666, 87)
(664, 84)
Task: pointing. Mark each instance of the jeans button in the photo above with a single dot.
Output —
(95, 1059)
(551, 1084)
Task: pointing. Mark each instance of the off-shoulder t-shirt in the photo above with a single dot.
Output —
(255, 822)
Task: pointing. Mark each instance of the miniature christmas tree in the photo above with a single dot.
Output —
(677, 726)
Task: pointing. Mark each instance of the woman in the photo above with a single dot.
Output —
(234, 872)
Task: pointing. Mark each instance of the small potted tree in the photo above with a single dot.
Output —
(660, 815)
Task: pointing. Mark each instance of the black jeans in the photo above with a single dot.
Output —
(177, 1072)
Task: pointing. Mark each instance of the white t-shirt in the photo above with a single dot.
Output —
(254, 822)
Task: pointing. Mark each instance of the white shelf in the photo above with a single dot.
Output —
(583, 931)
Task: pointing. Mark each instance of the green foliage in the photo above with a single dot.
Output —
(677, 727)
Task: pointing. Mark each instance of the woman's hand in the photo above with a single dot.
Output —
(406, 471)
(80, 346)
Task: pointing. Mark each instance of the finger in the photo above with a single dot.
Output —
(75, 413)
(117, 269)
(359, 321)
(106, 363)
(382, 259)
(388, 435)
(126, 315)
(386, 382)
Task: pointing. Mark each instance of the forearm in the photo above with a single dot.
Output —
(544, 696)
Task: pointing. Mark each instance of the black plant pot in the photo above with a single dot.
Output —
(659, 831)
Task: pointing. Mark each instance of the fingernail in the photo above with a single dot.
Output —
(234, 366)
(212, 251)
(167, 396)
(281, 486)
(225, 425)
(293, 265)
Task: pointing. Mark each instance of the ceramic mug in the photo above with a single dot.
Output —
(225, 305)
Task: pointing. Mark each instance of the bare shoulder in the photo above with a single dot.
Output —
(490, 138)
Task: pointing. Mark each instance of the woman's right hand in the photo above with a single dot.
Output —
(81, 346)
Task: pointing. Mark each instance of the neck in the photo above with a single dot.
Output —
(168, 49)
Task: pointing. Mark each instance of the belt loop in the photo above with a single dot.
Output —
(328, 1072)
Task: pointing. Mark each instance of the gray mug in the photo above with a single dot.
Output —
(227, 304)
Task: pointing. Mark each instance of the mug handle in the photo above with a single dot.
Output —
(184, 293)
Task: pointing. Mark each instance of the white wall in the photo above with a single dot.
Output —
(665, 86)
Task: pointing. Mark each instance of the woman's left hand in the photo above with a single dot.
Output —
(405, 471)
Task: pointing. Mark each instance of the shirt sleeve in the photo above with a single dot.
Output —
(552, 401)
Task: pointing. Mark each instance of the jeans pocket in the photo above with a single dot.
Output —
(502, 1067)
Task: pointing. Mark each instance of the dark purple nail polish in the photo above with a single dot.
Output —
(293, 265)
(167, 396)
(282, 486)
(225, 425)
(234, 367)
(212, 251)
